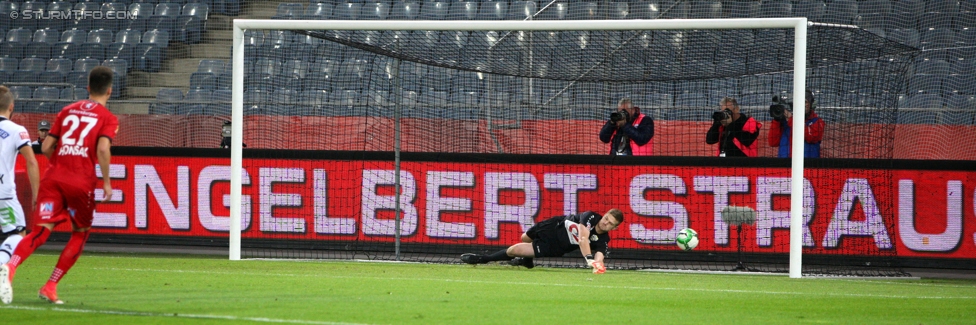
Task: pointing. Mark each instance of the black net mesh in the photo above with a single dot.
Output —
(548, 93)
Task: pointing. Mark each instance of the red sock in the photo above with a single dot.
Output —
(69, 255)
(28, 245)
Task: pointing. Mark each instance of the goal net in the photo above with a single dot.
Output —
(419, 141)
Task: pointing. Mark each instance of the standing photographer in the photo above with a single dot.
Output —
(780, 134)
(628, 131)
(735, 132)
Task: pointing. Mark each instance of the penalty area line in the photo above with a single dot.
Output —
(177, 315)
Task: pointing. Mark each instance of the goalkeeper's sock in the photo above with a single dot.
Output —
(69, 255)
(501, 255)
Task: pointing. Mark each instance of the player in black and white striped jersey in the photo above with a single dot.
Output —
(556, 236)
(14, 139)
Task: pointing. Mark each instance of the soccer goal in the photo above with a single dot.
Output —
(420, 140)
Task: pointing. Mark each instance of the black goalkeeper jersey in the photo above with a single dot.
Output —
(598, 242)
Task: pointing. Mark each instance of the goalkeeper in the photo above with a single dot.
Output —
(557, 236)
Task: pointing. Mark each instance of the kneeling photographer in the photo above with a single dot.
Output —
(628, 131)
(734, 132)
(780, 133)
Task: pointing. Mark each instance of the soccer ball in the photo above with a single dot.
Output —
(687, 239)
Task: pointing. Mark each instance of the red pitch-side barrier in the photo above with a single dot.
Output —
(912, 141)
(903, 213)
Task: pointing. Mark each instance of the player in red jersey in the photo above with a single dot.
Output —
(81, 136)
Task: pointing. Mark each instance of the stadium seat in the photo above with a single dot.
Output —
(376, 10)
(776, 8)
(46, 35)
(148, 57)
(32, 65)
(288, 11)
(228, 7)
(813, 10)
(211, 66)
(167, 101)
(464, 10)
(924, 101)
(522, 10)
(937, 20)
(20, 93)
(73, 94)
(100, 36)
(874, 7)
(16, 42)
(932, 66)
(197, 101)
(560, 10)
(921, 83)
(82, 10)
(438, 10)
(51, 94)
(118, 66)
(128, 36)
(405, 10)
(296, 68)
(314, 98)
(840, 11)
(963, 67)
(679, 9)
(937, 38)
(585, 10)
(158, 38)
(138, 16)
(220, 103)
(196, 9)
(947, 6)
(188, 29)
(6, 7)
(256, 102)
(493, 10)
(116, 8)
(43, 44)
(318, 11)
(961, 101)
(79, 79)
(253, 38)
(224, 81)
(203, 80)
(959, 84)
(8, 67)
(122, 51)
(59, 65)
(74, 36)
(31, 24)
(742, 9)
(704, 9)
(905, 36)
(917, 117)
(348, 10)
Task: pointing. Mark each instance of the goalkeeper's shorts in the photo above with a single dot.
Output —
(549, 238)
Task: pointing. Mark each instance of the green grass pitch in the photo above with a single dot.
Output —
(166, 289)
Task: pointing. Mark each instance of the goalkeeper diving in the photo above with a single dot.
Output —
(554, 237)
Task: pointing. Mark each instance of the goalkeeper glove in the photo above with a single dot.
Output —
(589, 260)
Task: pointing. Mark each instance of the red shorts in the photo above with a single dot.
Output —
(58, 202)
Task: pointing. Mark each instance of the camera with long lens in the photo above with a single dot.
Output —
(721, 115)
(778, 109)
(617, 116)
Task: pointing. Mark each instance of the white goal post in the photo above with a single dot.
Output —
(799, 25)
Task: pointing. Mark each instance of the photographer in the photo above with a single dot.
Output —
(628, 131)
(780, 133)
(735, 132)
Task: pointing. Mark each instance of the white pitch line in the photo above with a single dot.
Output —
(177, 315)
(549, 284)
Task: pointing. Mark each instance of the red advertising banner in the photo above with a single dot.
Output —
(904, 213)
